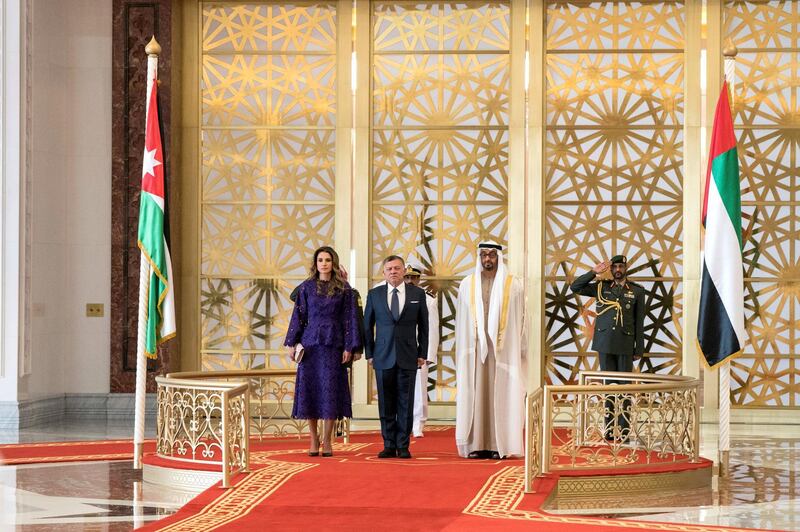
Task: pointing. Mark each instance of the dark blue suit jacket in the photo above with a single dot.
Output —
(409, 334)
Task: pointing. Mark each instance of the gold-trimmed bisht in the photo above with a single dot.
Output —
(503, 312)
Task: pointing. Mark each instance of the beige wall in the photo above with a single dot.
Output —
(70, 196)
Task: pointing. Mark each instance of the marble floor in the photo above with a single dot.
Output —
(761, 489)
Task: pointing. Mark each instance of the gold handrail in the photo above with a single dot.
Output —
(655, 414)
(232, 373)
(622, 375)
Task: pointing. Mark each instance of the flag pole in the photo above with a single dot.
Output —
(724, 441)
(153, 49)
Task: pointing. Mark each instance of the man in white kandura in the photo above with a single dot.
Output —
(413, 276)
(490, 360)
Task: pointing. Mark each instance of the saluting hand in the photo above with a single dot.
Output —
(601, 267)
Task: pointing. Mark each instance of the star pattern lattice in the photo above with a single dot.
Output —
(268, 171)
(613, 171)
(440, 142)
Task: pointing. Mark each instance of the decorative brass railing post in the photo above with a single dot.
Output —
(546, 429)
(529, 443)
(226, 477)
(246, 429)
(696, 454)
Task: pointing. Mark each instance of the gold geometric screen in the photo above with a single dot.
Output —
(268, 113)
(613, 171)
(440, 114)
(767, 122)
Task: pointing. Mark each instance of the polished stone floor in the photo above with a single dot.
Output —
(761, 489)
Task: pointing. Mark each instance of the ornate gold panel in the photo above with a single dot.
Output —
(613, 174)
(276, 90)
(274, 240)
(440, 26)
(440, 140)
(245, 313)
(762, 25)
(622, 25)
(268, 156)
(276, 27)
(441, 90)
(263, 164)
(766, 117)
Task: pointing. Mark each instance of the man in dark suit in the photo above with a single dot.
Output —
(396, 344)
(618, 328)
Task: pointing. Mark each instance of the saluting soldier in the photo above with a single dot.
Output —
(619, 326)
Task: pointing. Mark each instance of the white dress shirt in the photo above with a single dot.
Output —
(401, 295)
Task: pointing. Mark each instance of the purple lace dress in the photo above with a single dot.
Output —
(326, 326)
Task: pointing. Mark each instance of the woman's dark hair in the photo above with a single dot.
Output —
(336, 283)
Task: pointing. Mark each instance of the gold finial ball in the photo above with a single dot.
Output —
(730, 49)
(153, 48)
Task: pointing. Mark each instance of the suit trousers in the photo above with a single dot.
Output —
(396, 405)
(618, 408)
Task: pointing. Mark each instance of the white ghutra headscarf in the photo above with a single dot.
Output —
(495, 299)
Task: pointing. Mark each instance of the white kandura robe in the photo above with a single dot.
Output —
(508, 412)
(421, 388)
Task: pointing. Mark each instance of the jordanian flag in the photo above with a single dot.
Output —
(720, 325)
(160, 305)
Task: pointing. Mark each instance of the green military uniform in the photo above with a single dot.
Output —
(618, 335)
(619, 327)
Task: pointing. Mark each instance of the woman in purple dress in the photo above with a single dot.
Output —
(324, 322)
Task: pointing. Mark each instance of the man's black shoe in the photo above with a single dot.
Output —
(496, 456)
(387, 453)
(403, 453)
(480, 455)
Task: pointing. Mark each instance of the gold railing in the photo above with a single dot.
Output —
(271, 400)
(533, 420)
(204, 421)
(208, 417)
(645, 420)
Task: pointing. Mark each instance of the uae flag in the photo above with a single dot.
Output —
(159, 309)
(720, 325)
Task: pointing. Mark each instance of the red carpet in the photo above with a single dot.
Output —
(354, 490)
(73, 451)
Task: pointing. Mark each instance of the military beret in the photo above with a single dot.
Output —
(413, 272)
(619, 259)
